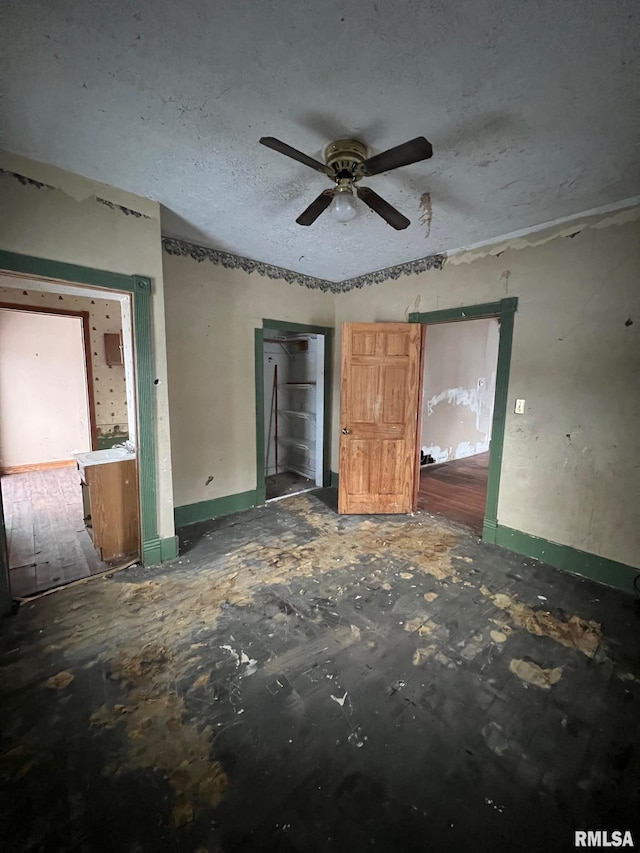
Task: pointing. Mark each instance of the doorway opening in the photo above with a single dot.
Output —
(504, 311)
(293, 372)
(67, 408)
(459, 380)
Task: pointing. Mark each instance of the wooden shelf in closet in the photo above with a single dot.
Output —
(297, 384)
(297, 413)
(306, 444)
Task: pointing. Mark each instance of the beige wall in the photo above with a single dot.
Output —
(459, 388)
(570, 470)
(109, 386)
(212, 313)
(67, 223)
(44, 413)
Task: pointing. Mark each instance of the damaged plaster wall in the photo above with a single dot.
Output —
(571, 469)
(213, 312)
(44, 412)
(67, 220)
(459, 388)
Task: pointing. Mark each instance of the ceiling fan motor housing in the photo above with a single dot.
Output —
(345, 158)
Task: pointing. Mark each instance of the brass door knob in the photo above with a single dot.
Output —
(345, 431)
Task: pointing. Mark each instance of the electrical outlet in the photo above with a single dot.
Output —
(519, 410)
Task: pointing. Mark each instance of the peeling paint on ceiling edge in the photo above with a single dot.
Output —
(43, 176)
(182, 248)
(618, 213)
(30, 182)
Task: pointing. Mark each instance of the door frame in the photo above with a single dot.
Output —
(504, 311)
(139, 287)
(88, 367)
(300, 328)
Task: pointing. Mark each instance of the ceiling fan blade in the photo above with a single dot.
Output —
(383, 208)
(402, 155)
(318, 206)
(288, 151)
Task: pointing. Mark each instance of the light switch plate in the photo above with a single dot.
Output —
(519, 410)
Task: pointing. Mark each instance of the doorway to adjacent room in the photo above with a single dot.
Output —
(459, 380)
(66, 398)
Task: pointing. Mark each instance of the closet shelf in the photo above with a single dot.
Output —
(297, 384)
(298, 414)
(306, 444)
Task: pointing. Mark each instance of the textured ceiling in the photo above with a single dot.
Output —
(532, 109)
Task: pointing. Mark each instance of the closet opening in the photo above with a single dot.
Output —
(294, 411)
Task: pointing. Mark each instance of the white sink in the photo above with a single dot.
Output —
(99, 457)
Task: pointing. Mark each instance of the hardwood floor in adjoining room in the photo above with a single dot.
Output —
(456, 490)
(46, 537)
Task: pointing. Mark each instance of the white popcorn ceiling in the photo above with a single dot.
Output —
(531, 107)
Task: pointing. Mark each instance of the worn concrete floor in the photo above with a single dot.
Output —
(301, 681)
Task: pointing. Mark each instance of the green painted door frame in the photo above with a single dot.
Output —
(298, 328)
(5, 586)
(504, 311)
(153, 549)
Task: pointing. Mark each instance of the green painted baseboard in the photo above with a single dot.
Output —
(206, 510)
(600, 569)
(156, 551)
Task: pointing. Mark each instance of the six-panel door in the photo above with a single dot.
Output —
(378, 417)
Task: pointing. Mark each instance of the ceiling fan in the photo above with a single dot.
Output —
(346, 162)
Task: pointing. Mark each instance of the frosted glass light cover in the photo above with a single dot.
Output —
(343, 207)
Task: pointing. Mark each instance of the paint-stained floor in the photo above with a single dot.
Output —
(302, 681)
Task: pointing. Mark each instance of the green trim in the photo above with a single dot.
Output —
(146, 408)
(156, 551)
(140, 287)
(288, 326)
(489, 527)
(500, 403)
(335, 479)
(215, 508)
(5, 586)
(328, 390)
(591, 566)
(169, 549)
(44, 268)
(504, 311)
(468, 312)
(261, 488)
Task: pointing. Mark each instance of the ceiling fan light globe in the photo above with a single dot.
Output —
(343, 206)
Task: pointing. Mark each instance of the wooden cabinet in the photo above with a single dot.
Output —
(113, 348)
(113, 519)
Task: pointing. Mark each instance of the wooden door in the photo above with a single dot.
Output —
(379, 406)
